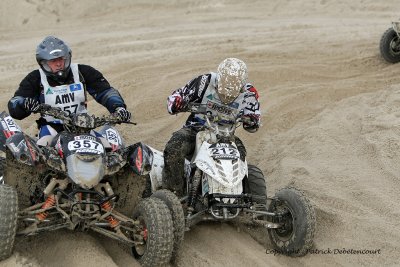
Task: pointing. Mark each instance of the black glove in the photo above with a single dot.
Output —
(251, 122)
(31, 104)
(123, 114)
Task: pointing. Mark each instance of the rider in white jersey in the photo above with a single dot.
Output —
(224, 92)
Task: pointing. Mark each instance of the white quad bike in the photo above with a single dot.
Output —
(220, 186)
(390, 43)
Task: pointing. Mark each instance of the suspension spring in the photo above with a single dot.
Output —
(50, 201)
(111, 219)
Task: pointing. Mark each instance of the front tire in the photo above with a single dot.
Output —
(255, 184)
(8, 220)
(157, 233)
(296, 235)
(390, 46)
(178, 218)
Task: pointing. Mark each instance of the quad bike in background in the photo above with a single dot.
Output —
(2, 162)
(79, 179)
(221, 186)
(390, 43)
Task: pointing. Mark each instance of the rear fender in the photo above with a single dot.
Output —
(140, 158)
(145, 160)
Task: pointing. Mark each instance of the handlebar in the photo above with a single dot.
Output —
(81, 120)
(198, 108)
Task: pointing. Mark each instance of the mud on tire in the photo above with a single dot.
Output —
(295, 238)
(156, 220)
(8, 219)
(178, 218)
(389, 46)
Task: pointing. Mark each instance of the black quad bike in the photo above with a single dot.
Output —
(390, 43)
(80, 179)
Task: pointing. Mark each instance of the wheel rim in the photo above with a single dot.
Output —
(395, 46)
(286, 231)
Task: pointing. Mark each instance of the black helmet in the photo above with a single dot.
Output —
(51, 48)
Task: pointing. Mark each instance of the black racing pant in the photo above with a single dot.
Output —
(182, 145)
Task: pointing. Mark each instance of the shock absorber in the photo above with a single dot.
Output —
(193, 191)
(111, 219)
(52, 198)
(50, 201)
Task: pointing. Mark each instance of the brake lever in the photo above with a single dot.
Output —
(247, 121)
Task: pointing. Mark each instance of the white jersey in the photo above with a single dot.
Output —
(216, 107)
(69, 97)
(202, 89)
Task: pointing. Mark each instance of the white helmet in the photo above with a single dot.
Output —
(231, 78)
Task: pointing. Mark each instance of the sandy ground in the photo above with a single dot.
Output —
(330, 104)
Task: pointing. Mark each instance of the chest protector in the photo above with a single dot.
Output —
(69, 97)
(216, 107)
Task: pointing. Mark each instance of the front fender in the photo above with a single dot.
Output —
(24, 148)
(8, 127)
(227, 172)
(203, 161)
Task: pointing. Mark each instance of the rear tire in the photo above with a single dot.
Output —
(157, 233)
(8, 220)
(178, 218)
(147, 190)
(295, 237)
(390, 46)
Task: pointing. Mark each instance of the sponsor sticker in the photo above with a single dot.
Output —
(219, 108)
(49, 91)
(75, 87)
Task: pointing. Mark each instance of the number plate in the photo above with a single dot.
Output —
(86, 146)
(10, 124)
(224, 151)
(113, 137)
